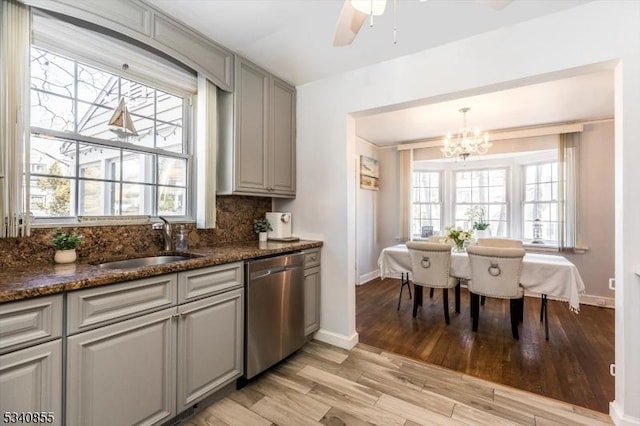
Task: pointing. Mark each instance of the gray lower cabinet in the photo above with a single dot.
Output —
(311, 291)
(31, 359)
(210, 345)
(124, 373)
(31, 382)
(147, 369)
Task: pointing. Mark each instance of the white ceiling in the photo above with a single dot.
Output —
(293, 39)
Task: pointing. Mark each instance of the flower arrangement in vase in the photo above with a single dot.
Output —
(260, 227)
(475, 215)
(458, 237)
(65, 244)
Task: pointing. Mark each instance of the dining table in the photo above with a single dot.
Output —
(544, 274)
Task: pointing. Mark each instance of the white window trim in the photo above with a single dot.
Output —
(441, 201)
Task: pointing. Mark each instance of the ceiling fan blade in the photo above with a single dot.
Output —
(495, 4)
(349, 23)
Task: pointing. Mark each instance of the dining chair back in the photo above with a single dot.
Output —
(499, 242)
(495, 272)
(440, 239)
(430, 265)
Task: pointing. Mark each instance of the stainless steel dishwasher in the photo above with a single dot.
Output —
(274, 310)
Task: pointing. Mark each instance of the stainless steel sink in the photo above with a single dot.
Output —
(144, 261)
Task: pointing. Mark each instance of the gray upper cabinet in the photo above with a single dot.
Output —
(261, 147)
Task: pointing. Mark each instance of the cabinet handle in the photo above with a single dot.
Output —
(312, 258)
(175, 316)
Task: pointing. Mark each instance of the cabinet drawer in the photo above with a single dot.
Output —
(203, 282)
(94, 307)
(31, 321)
(311, 258)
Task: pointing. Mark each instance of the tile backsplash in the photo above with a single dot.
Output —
(234, 222)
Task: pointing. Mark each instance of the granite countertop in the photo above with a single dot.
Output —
(17, 283)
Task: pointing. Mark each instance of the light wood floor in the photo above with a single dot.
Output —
(322, 384)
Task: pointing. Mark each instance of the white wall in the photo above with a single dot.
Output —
(550, 47)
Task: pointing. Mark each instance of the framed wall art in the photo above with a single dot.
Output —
(369, 173)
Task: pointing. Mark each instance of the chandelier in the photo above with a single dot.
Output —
(467, 142)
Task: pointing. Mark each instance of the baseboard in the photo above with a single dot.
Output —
(363, 279)
(335, 339)
(585, 299)
(620, 419)
(605, 302)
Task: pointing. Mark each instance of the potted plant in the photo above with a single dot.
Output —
(458, 237)
(475, 215)
(260, 227)
(65, 244)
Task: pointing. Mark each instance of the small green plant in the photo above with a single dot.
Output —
(261, 225)
(66, 240)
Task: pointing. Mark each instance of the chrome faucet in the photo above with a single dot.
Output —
(165, 226)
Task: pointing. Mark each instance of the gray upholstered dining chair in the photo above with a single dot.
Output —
(495, 272)
(499, 242)
(430, 264)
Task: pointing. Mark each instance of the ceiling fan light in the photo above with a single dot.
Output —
(366, 6)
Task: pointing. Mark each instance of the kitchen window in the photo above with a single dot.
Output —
(79, 167)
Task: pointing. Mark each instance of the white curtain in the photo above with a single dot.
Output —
(406, 184)
(568, 191)
(14, 119)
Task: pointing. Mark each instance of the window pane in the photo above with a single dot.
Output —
(52, 73)
(434, 195)
(52, 112)
(145, 129)
(136, 199)
(497, 195)
(93, 121)
(97, 87)
(52, 156)
(169, 136)
(138, 167)
(97, 198)
(544, 192)
(545, 172)
(54, 195)
(96, 162)
(463, 195)
(529, 212)
(171, 201)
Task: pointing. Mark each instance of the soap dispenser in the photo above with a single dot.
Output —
(181, 243)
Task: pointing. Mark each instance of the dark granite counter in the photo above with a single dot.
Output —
(22, 282)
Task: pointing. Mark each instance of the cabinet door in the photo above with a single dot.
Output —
(123, 374)
(283, 139)
(31, 381)
(210, 342)
(311, 300)
(252, 128)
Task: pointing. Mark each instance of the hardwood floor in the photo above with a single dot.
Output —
(573, 366)
(325, 385)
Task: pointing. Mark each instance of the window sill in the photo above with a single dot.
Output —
(552, 248)
(81, 222)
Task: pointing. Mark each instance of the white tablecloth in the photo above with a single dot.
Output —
(541, 273)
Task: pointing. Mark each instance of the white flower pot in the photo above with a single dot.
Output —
(483, 233)
(262, 236)
(65, 256)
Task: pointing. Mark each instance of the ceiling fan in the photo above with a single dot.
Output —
(355, 12)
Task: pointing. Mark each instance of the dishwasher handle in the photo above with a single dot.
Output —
(270, 271)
